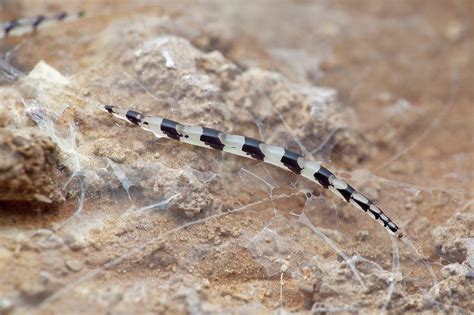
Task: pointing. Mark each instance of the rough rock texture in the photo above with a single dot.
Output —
(452, 240)
(148, 225)
(28, 168)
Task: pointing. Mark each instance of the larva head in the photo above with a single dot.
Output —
(108, 108)
(116, 111)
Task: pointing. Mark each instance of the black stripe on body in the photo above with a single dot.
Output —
(38, 21)
(134, 117)
(393, 227)
(252, 148)
(322, 176)
(211, 138)
(364, 206)
(347, 192)
(10, 26)
(169, 128)
(376, 215)
(109, 108)
(290, 159)
(385, 222)
(61, 16)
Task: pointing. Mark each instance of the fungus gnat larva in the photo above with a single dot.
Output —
(256, 149)
(23, 26)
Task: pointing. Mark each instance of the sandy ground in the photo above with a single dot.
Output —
(97, 216)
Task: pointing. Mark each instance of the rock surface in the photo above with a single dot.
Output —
(135, 224)
(28, 168)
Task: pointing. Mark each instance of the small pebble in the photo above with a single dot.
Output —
(74, 265)
(384, 97)
(241, 297)
(418, 198)
(408, 205)
(455, 269)
(454, 30)
(206, 284)
(326, 290)
(430, 153)
(397, 168)
(363, 235)
(6, 305)
(42, 198)
(74, 241)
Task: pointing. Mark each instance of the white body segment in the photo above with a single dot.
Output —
(191, 135)
(233, 143)
(273, 154)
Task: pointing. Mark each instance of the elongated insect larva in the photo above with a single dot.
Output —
(29, 25)
(256, 149)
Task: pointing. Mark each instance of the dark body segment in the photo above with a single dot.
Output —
(211, 138)
(347, 192)
(10, 26)
(376, 214)
(38, 21)
(322, 176)
(252, 148)
(290, 160)
(134, 117)
(363, 205)
(169, 128)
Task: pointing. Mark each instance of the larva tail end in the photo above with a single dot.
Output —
(400, 235)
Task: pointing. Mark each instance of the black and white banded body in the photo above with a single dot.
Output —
(256, 149)
(23, 26)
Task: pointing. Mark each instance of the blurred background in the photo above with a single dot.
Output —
(97, 216)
